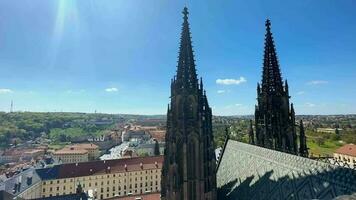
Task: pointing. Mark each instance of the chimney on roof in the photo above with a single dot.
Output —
(156, 164)
(76, 164)
(125, 167)
(29, 180)
(141, 165)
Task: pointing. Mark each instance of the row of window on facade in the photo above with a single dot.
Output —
(108, 176)
(107, 182)
(347, 159)
(102, 183)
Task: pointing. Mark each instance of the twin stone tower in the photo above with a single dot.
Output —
(189, 168)
(189, 158)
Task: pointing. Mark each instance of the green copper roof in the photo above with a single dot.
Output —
(252, 172)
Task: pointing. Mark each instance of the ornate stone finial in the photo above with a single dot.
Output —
(268, 24)
(292, 108)
(185, 12)
(201, 83)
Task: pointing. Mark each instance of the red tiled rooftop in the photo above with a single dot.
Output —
(151, 196)
(13, 152)
(34, 151)
(85, 146)
(158, 134)
(67, 150)
(77, 149)
(114, 166)
(347, 149)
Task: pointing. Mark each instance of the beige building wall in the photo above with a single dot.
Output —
(71, 157)
(93, 154)
(345, 158)
(33, 192)
(107, 185)
(58, 187)
(77, 153)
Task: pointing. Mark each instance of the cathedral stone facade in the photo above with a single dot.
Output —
(274, 115)
(189, 169)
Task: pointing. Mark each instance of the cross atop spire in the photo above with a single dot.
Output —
(268, 25)
(271, 78)
(186, 72)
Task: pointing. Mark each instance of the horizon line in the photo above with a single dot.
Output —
(162, 114)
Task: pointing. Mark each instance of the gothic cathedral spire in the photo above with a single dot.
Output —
(271, 77)
(186, 72)
(189, 160)
(274, 115)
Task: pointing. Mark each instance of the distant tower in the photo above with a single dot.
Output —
(12, 106)
(274, 116)
(189, 159)
(251, 137)
(303, 149)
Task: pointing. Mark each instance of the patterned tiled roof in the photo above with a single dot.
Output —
(252, 172)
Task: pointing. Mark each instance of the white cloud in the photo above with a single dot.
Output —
(113, 89)
(300, 93)
(310, 104)
(221, 91)
(230, 81)
(238, 105)
(317, 82)
(75, 91)
(5, 91)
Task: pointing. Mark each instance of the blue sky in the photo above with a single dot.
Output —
(118, 56)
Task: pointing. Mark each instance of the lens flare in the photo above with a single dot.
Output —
(66, 15)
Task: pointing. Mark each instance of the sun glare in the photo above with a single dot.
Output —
(66, 20)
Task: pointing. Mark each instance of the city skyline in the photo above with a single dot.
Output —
(118, 56)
